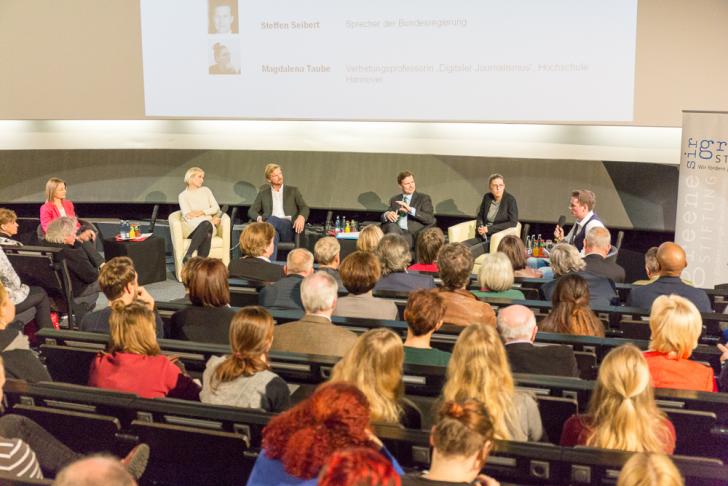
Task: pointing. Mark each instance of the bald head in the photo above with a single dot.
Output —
(516, 323)
(598, 240)
(672, 259)
(95, 471)
(299, 261)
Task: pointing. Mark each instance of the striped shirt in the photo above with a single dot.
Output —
(18, 459)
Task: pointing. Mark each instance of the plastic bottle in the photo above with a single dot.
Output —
(338, 224)
(347, 226)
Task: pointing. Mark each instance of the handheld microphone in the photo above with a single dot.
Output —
(562, 220)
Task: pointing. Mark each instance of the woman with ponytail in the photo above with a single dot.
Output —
(297, 443)
(244, 379)
(622, 413)
(570, 312)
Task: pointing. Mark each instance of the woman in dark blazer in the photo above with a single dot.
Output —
(497, 211)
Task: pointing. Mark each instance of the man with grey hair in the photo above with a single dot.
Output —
(285, 294)
(314, 333)
(97, 470)
(597, 244)
(517, 326)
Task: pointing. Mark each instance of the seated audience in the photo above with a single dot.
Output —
(360, 271)
(102, 470)
(513, 247)
(8, 227)
(133, 362)
(326, 253)
(461, 440)
(424, 313)
(723, 382)
(208, 319)
(189, 269)
(23, 296)
(622, 413)
(394, 254)
(256, 243)
(297, 443)
(652, 268)
(285, 294)
(20, 361)
(570, 311)
(243, 378)
(496, 278)
(672, 261)
(315, 333)
(463, 308)
(374, 366)
(675, 327)
(118, 281)
(517, 327)
(649, 469)
(565, 260)
(597, 244)
(428, 244)
(358, 466)
(479, 369)
(369, 237)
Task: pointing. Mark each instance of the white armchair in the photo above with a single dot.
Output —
(179, 234)
(466, 230)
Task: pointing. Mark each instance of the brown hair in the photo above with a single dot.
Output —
(115, 275)
(463, 428)
(571, 313)
(456, 263)
(132, 329)
(425, 309)
(651, 264)
(429, 243)
(585, 197)
(256, 237)
(360, 272)
(513, 247)
(403, 175)
(7, 216)
(189, 269)
(208, 283)
(251, 332)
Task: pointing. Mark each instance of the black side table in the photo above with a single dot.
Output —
(148, 257)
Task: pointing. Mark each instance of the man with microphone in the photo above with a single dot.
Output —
(581, 206)
(409, 212)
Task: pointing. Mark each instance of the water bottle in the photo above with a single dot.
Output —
(338, 224)
(122, 229)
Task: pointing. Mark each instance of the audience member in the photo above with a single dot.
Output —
(118, 281)
(652, 268)
(581, 206)
(597, 244)
(285, 294)
(189, 269)
(517, 327)
(565, 260)
(99, 470)
(208, 319)
(461, 441)
(496, 278)
(723, 381)
(672, 261)
(23, 296)
(479, 369)
(622, 413)
(374, 366)
(428, 245)
(297, 443)
(315, 333)
(200, 211)
(243, 378)
(675, 327)
(463, 308)
(424, 313)
(360, 272)
(134, 363)
(8, 227)
(326, 253)
(649, 469)
(394, 254)
(570, 311)
(369, 237)
(513, 247)
(358, 466)
(409, 212)
(256, 243)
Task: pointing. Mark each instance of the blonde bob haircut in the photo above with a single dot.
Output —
(369, 237)
(269, 169)
(256, 237)
(326, 249)
(479, 369)
(622, 410)
(132, 329)
(675, 325)
(649, 469)
(51, 187)
(191, 172)
(374, 366)
(565, 259)
(496, 272)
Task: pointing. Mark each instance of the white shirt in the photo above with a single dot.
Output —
(278, 203)
(594, 223)
(198, 199)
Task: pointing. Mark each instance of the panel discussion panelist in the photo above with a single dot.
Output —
(498, 211)
(581, 206)
(200, 211)
(409, 212)
(282, 206)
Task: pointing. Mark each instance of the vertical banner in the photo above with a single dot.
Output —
(702, 197)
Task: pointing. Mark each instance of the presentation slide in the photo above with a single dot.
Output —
(415, 60)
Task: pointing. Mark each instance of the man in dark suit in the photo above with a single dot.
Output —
(409, 212)
(285, 294)
(283, 207)
(517, 327)
(672, 261)
(597, 244)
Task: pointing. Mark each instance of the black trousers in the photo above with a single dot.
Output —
(51, 453)
(37, 298)
(201, 240)
(478, 246)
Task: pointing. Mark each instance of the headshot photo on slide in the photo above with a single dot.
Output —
(222, 16)
(224, 57)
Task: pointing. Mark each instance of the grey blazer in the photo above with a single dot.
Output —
(293, 203)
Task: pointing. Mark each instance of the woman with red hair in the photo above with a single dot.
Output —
(297, 443)
(358, 466)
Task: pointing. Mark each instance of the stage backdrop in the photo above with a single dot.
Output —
(702, 220)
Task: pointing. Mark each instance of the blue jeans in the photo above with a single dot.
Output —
(542, 264)
(284, 232)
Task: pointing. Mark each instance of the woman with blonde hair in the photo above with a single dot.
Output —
(243, 378)
(369, 237)
(200, 211)
(374, 365)
(496, 278)
(570, 311)
(479, 369)
(622, 413)
(649, 469)
(675, 324)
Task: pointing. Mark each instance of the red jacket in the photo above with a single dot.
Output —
(49, 212)
(679, 374)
